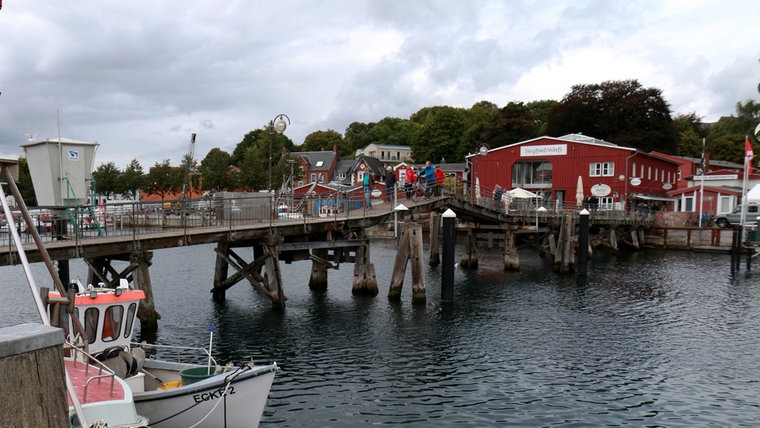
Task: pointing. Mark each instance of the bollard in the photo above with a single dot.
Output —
(449, 243)
(583, 242)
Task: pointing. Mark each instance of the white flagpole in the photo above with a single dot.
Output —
(702, 168)
(747, 166)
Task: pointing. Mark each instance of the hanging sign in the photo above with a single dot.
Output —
(600, 190)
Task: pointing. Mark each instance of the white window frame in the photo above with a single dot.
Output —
(601, 169)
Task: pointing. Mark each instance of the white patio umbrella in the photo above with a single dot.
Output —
(579, 192)
(520, 193)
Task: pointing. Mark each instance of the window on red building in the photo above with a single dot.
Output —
(602, 169)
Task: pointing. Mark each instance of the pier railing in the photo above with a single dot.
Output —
(232, 212)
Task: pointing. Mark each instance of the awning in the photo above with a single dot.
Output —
(652, 198)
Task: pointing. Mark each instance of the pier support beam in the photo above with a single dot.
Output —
(511, 258)
(470, 255)
(435, 246)
(365, 281)
(409, 248)
(319, 266)
(141, 280)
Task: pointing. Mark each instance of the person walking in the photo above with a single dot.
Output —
(390, 184)
(367, 181)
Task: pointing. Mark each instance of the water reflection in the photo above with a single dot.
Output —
(651, 338)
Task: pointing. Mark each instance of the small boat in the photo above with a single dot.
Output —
(169, 393)
(111, 381)
(96, 396)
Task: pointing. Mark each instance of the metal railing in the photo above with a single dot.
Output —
(137, 219)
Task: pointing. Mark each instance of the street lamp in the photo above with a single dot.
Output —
(277, 124)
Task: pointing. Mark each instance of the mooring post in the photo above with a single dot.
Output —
(32, 371)
(449, 243)
(583, 242)
(435, 230)
(141, 280)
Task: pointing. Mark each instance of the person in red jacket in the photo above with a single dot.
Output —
(409, 181)
(440, 177)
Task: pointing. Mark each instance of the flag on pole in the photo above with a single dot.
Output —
(748, 155)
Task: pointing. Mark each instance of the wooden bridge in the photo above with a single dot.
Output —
(129, 234)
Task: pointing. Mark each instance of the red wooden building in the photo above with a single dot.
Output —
(565, 170)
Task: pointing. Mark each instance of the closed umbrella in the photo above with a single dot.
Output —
(579, 192)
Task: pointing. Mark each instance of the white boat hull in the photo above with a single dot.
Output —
(233, 399)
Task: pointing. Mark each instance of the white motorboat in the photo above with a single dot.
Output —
(111, 382)
(169, 393)
(96, 397)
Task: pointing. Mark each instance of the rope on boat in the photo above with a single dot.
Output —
(227, 383)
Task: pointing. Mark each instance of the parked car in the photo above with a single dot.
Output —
(734, 218)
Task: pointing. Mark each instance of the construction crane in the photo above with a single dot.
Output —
(188, 163)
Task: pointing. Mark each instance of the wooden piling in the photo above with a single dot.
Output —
(274, 276)
(435, 233)
(511, 258)
(221, 270)
(32, 374)
(365, 280)
(399, 266)
(141, 280)
(318, 278)
(419, 295)
(409, 249)
(469, 258)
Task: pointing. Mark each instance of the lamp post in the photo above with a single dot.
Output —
(277, 124)
(474, 181)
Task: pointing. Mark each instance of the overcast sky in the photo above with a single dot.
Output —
(140, 77)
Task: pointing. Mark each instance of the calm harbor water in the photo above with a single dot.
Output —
(651, 339)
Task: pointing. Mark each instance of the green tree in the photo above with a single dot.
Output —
(621, 112)
(726, 137)
(164, 179)
(107, 179)
(25, 186)
(133, 178)
(357, 136)
(324, 140)
(215, 170)
(441, 134)
(690, 134)
(514, 122)
(394, 131)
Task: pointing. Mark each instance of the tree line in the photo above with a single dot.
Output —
(621, 112)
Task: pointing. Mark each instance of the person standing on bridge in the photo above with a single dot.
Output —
(429, 173)
(367, 181)
(409, 181)
(390, 184)
(440, 178)
(497, 194)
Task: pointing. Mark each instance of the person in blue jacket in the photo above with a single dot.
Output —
(429, 172)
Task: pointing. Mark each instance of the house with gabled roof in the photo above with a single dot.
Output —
(316, 167)
(565, 170)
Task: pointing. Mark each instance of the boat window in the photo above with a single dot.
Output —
(91, 323)
(112, 323)
(130, 318)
